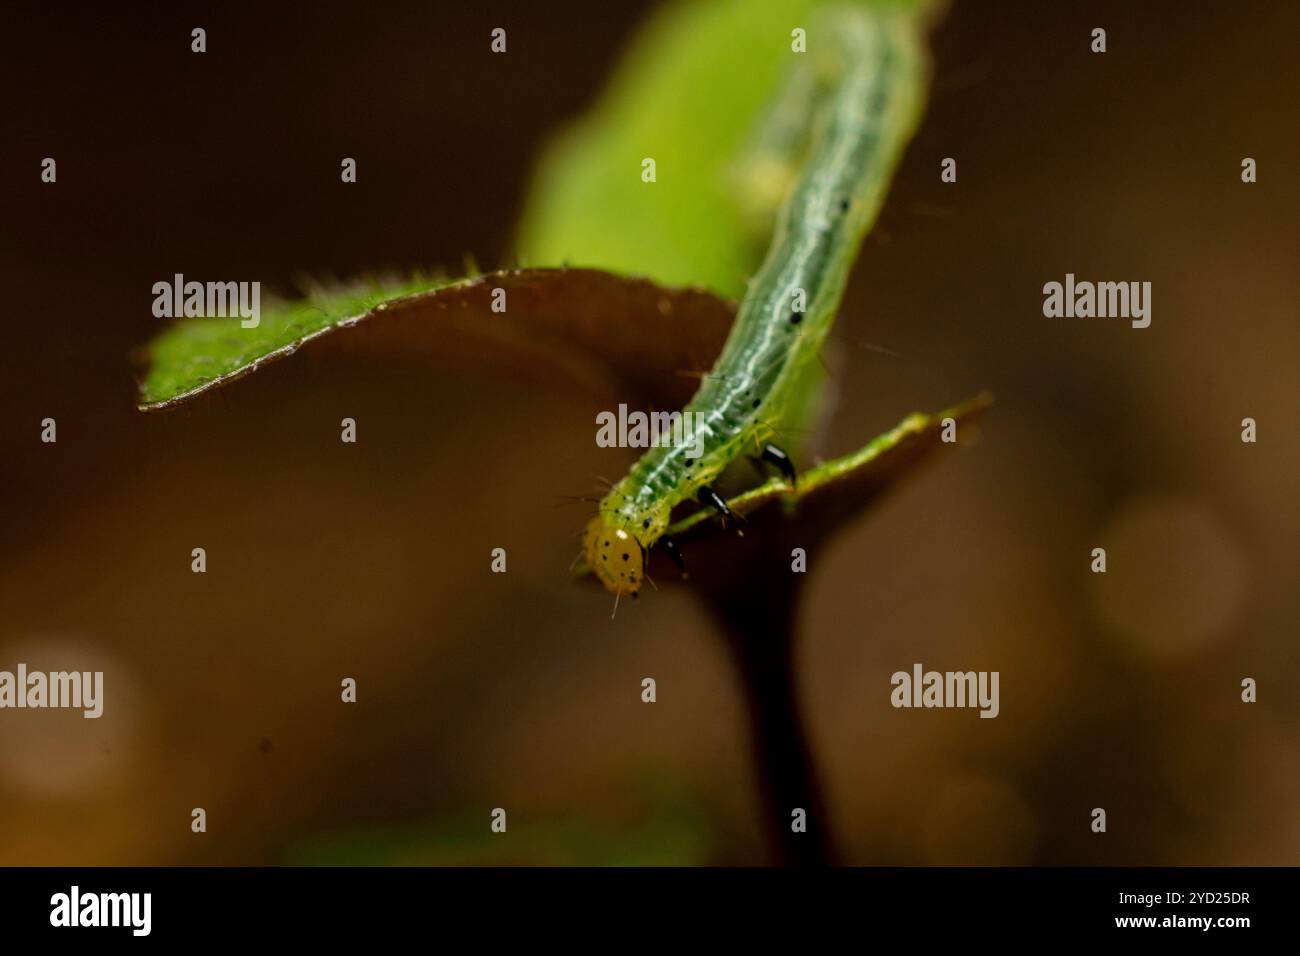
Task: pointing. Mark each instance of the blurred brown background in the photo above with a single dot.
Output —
(481, 690)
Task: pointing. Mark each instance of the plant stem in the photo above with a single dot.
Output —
(759, 622)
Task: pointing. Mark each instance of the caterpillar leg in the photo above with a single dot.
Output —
(708, 496)
(780, 460)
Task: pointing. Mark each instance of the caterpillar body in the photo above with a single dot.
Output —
(868, 90)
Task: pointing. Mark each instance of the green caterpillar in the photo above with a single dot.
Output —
(864, 102)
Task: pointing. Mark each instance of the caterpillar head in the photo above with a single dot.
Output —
(613, 554)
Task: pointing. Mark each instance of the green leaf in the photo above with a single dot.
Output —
(619, 336)
(197, 354)
(690, 93)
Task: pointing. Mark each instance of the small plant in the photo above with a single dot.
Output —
(729, 129)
